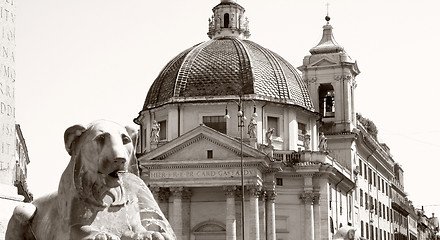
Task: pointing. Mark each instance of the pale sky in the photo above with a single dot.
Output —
(83, 60)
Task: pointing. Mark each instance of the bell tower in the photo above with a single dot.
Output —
(330, 75)
(228, 20)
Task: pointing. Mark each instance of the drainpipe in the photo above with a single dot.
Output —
(262, 123)
(178, 120)
(337, 210)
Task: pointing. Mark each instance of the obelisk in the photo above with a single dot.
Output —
(8, 192)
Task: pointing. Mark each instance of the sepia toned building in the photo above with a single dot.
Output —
(236, 143)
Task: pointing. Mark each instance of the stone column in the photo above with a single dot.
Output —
(270, 206)
(262, 213)
(254, 231)
(186, 214)
(161, 195)
(317, 215)
(176, 219)
(309, 198)
(231, 218)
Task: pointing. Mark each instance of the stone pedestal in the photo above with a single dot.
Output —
(8, 200)
(153, 145)
(253, 143)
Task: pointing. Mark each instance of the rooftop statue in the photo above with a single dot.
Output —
(98, 196)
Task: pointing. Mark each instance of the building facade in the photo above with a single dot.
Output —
(235, 143)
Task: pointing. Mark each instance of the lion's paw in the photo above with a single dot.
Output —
(105, 236)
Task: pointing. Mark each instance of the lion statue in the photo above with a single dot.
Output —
(347, 233)
(99, 197)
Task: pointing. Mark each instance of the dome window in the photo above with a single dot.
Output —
(327, 100)
(163, 130)
(215, 122)
(272, 123)
(226, 20)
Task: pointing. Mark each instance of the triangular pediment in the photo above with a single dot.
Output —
(195, 144)
(323, 62)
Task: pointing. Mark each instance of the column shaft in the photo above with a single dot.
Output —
(270, 206)
(254, 230)
(177, 222)
(231, 219)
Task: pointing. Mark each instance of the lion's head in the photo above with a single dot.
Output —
(100, 152)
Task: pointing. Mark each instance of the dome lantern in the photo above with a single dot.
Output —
(328, 43)
(228, 20)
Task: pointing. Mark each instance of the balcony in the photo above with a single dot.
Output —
(401, 205)
(291, 158)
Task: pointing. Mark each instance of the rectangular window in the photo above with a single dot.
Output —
(366, 201)
(383, 186)
(272, 122)
(279, 181)
(215, 122)
(380, 209)
(163, 130)
(209, 154)
(388, 214)
(340, 203)
(365, 173)
(361, 194)
(366, 230)
(370, 176)
(360, 167)
(362, 228)
(378, 182)
(330, 198)
(350, 207)
(374, 179)
(301, 134)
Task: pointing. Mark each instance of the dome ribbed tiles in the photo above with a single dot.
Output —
(224, 67)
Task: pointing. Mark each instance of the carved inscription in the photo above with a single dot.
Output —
(225, 173)
(7, 89)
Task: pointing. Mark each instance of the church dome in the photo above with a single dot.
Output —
(227, 66)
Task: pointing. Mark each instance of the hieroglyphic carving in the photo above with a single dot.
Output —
(7, 88)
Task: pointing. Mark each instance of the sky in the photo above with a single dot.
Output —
(83, 60)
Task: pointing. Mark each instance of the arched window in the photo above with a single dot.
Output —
(226, 20)
(209, 230)
(327, 100)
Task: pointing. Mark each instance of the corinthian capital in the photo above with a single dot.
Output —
(271, 195)
(230, 191)
(254, 190)
(310, 197)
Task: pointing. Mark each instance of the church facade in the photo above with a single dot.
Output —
(236, 143)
